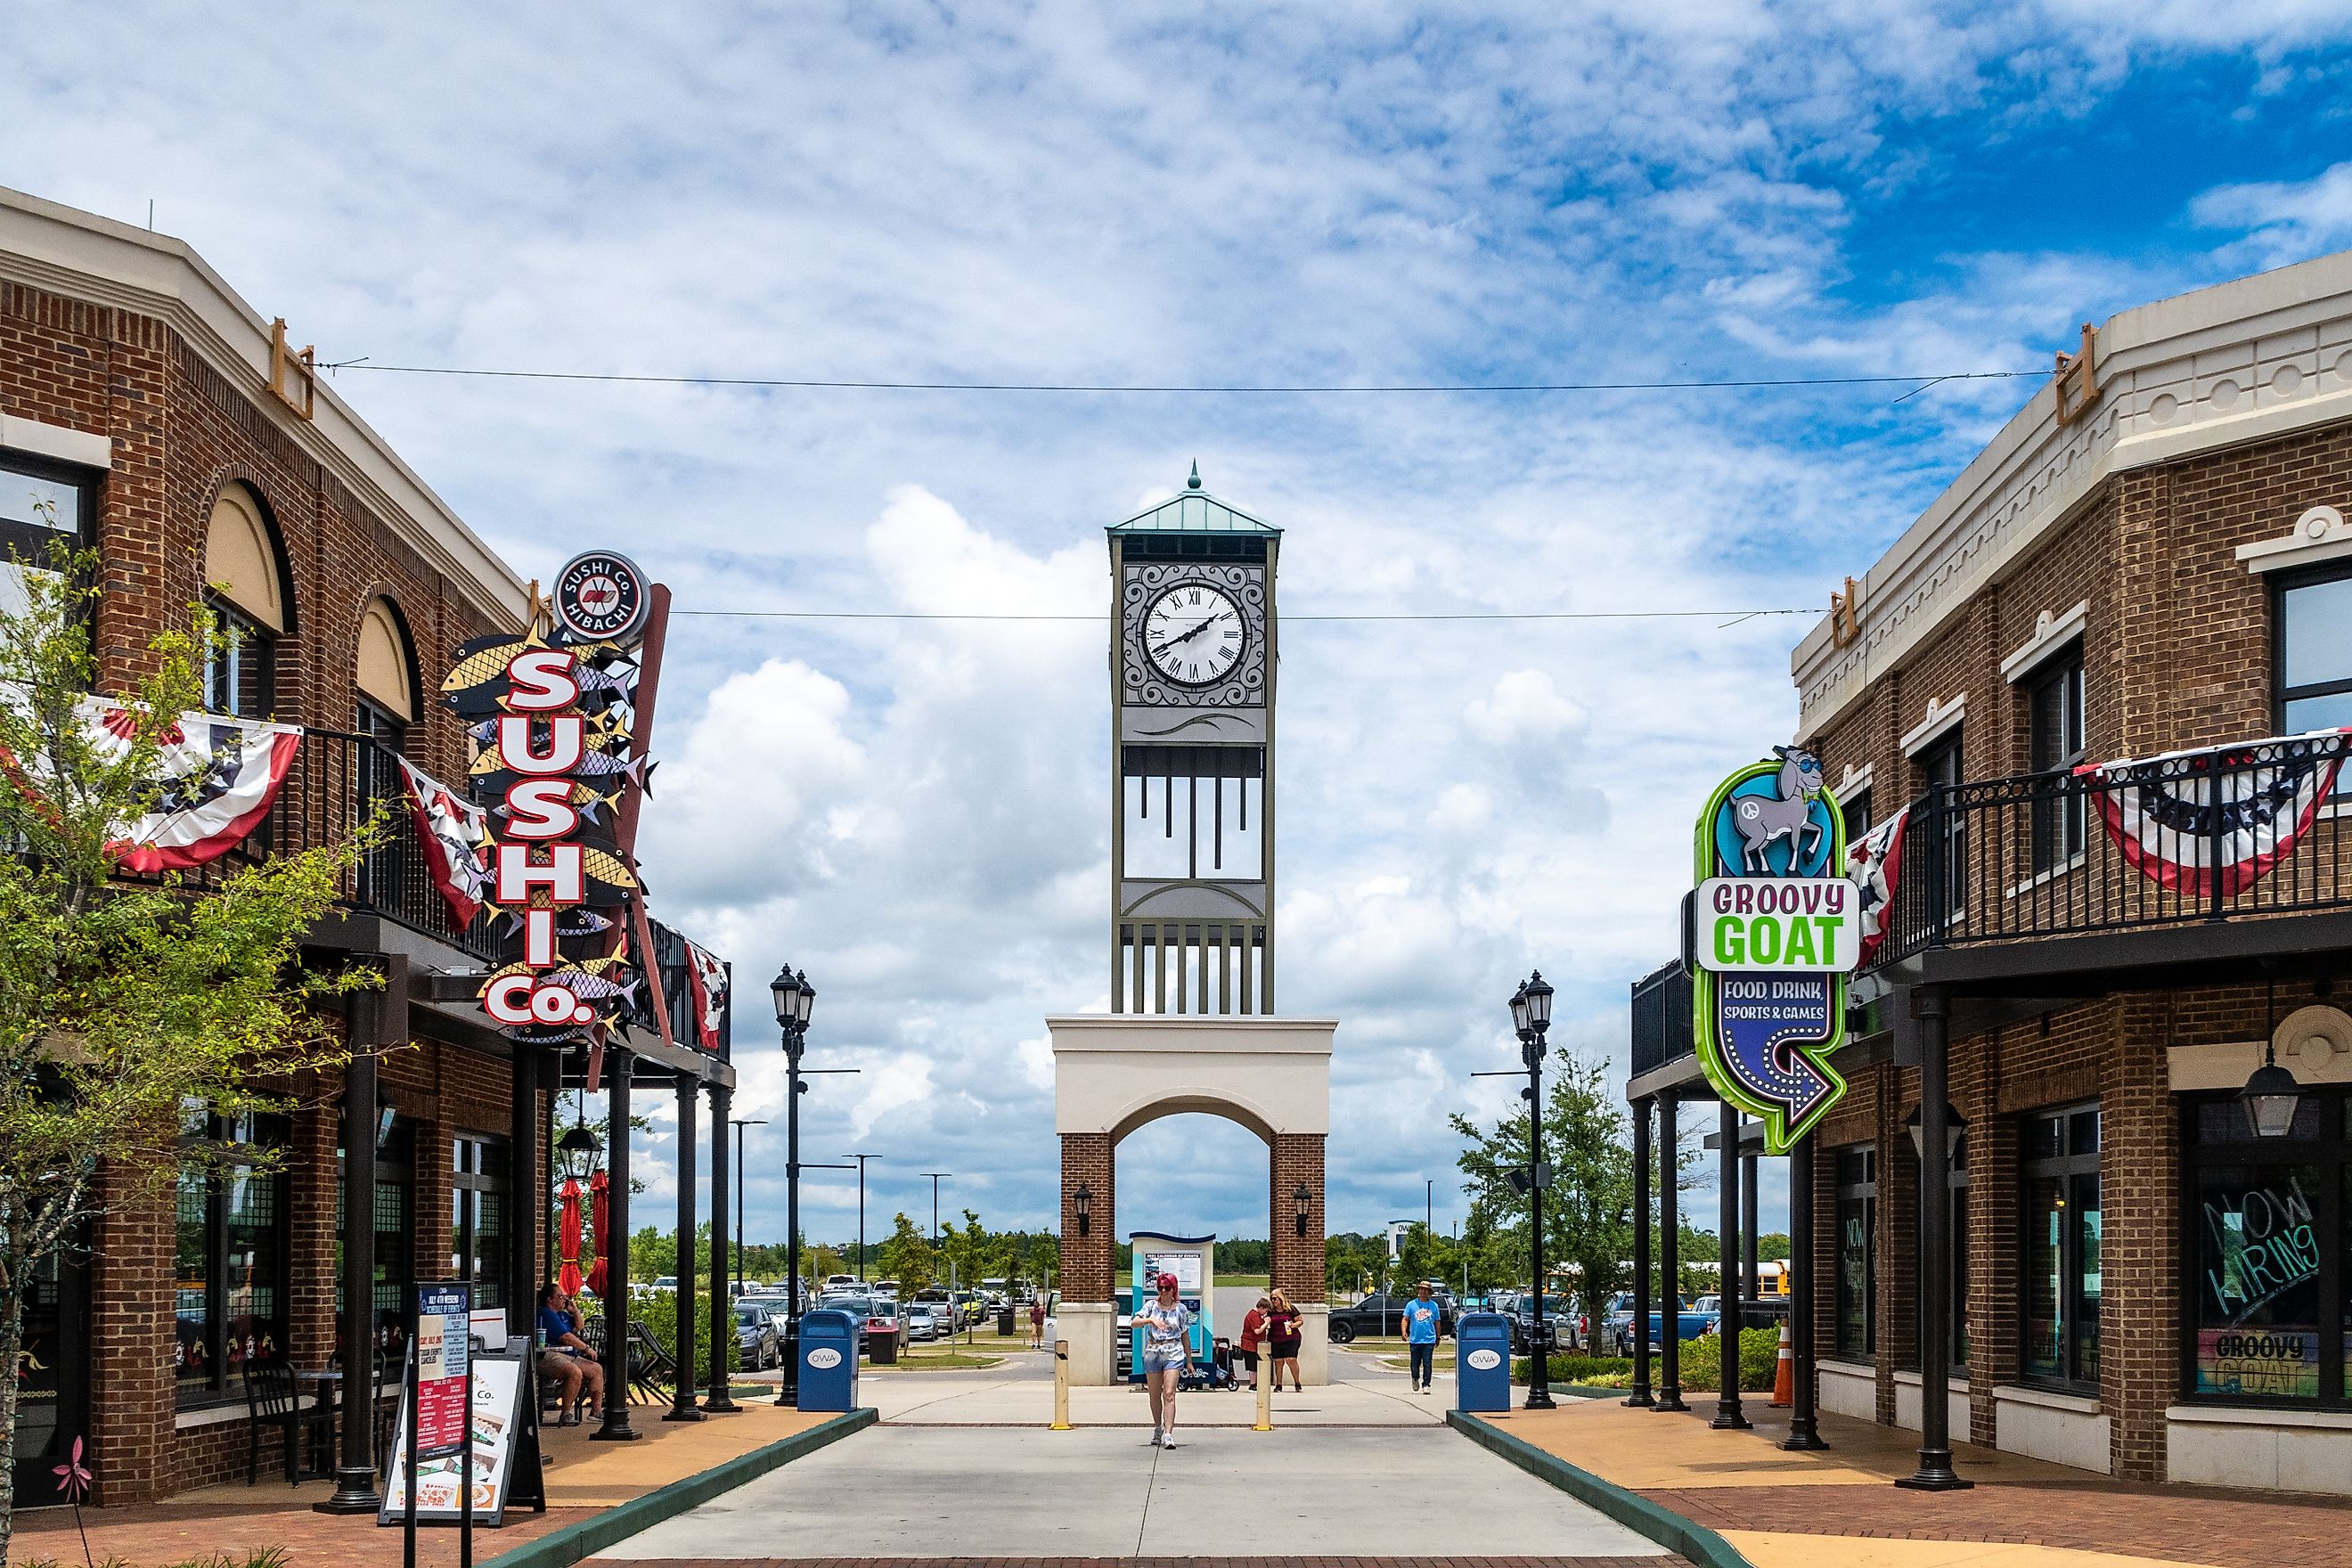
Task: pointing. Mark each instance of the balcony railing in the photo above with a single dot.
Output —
(2228, 834)
(1661, 1019)
(337, 781)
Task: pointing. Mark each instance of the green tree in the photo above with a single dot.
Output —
(906, 1257)
(971, 1252)
(122, 1003)
(1589, 1208)
(653, 1253)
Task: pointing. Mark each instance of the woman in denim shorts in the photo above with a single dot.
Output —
(1166, 1325)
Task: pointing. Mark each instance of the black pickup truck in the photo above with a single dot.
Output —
(1382, 1316)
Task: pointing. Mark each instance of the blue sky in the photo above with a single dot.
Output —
(914, 811)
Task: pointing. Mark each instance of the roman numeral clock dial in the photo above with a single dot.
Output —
(1193, 634)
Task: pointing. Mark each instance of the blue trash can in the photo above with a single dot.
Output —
(1481, 1361)
(828, 1352)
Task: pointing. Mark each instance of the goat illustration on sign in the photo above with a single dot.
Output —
(1765, 820)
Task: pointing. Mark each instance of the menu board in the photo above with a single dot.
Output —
(499, 1389)
(442, 1314)
(1185, 1266)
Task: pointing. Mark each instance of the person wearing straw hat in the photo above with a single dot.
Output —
(1166, 1324)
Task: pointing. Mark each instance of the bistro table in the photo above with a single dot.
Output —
(324, 1379)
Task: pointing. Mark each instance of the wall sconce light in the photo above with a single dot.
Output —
(1305, 1199)
(1084, 1199)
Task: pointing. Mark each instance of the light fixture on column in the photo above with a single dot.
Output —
(1955, 1127)
(2270, 1096)
(1085, 1200)
(1304, 1198)
(576, 1151)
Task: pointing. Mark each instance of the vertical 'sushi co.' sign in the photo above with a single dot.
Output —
(1774, 932)
(551, 714)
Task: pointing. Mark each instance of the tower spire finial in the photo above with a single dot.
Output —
(1195, 482)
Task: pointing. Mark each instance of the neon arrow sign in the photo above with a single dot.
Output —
(1776, 930)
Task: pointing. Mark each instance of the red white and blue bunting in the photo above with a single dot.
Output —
(219, 777)
(2160, 810)
(1876, 866)
(456, 834)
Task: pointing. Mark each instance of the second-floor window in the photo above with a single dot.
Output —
(240, 676)
(1939, 764)
(2312, 679)
(2054, 744)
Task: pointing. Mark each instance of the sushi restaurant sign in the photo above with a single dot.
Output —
(1775, 931)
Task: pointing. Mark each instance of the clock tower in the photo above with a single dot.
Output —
(1192, 667)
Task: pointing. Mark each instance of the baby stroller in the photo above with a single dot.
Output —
(1217, 1371)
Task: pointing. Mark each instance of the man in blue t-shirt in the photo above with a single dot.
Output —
(1420, 1315)
(565, 1356)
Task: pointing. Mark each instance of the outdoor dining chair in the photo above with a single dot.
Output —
(270, 1401)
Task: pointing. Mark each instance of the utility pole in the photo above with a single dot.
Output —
(861, 1160)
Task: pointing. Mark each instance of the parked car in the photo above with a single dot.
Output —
(1692, 1322)
(666, 1283)
(1381, 1315)
(1617, 1323)
(1558, 1313)
(759, 1343)
(923, 1321)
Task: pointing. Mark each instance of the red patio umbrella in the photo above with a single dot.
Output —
(598, 1221)
(568, 1243)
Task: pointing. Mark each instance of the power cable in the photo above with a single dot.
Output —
(1737, 616)
(828, 384)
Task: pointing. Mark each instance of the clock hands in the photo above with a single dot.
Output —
(1166, 644)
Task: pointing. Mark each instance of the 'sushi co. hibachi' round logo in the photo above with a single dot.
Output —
(601, 597)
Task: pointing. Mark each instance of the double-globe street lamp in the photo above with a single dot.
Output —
(795, 1001)
(1530, 1017)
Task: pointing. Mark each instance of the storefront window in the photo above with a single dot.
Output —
(2270, 1254)
(2312, 685)
(2060, 1254)
(230, 1253)
(395, 1232)
(1857, 1251)
(477, 1217)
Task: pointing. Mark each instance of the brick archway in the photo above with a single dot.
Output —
(1113, 1075)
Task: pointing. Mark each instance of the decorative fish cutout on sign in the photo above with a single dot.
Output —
(477, 686)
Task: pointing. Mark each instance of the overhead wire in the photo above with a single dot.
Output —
(1737, 616)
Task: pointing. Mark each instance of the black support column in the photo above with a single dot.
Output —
(1804, 1424)
(617, 1427)
(530, 1195)
(1641, 1396)
(1670, 1256)
(716, 1402)
(1933, 1008)
(355, 1490)
(1728, 1413)
(688, 1093)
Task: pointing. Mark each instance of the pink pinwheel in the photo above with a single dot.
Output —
(73, 1477)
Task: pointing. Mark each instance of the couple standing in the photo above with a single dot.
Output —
(1274, 1323)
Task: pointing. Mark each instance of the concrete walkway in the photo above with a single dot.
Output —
(1839, 1508)
(963, 1467)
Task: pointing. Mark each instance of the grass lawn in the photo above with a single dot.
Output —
(940, 1356)
(1244, 1282)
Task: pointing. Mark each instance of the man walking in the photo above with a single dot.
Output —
(1166, 1324)
(1421, 1316)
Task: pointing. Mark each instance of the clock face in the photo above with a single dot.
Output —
(1193, 634)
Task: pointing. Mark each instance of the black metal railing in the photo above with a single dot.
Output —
(2199, 836)
(1661, 1019)
(337, 781)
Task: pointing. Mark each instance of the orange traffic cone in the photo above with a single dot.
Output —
(1784, 1376)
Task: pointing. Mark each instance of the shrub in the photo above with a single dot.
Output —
(1702, 1360)
(658, 1311)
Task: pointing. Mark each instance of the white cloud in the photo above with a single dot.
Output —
(916, 811)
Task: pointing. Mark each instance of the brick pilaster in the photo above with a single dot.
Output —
(1297, 1260)
(1088, 1159)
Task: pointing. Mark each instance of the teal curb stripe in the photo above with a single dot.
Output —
(562, 1548)
(1669, 1529)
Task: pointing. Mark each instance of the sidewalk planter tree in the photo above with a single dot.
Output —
(123, 1003)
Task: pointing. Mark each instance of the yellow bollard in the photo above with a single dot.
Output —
(1061, 1386)
(1264, 1394)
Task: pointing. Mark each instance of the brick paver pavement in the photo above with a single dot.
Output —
(1667, 1562)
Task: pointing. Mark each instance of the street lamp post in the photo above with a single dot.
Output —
(739, 1123)
(861, 1160)
(1530, 1017)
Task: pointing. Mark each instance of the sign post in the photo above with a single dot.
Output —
(440, 1401)
(1774, 931)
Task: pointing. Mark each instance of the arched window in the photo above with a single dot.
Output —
(387, 674)
(245, 587)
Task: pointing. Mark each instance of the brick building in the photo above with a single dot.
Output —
(2149, 559)
(150, 413)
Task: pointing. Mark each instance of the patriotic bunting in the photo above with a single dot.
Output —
(455, 833)
(220, 776)
(1876, 866)
(706, 978)
(2160, 810)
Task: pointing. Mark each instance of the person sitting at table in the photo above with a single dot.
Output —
(565, 1356)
